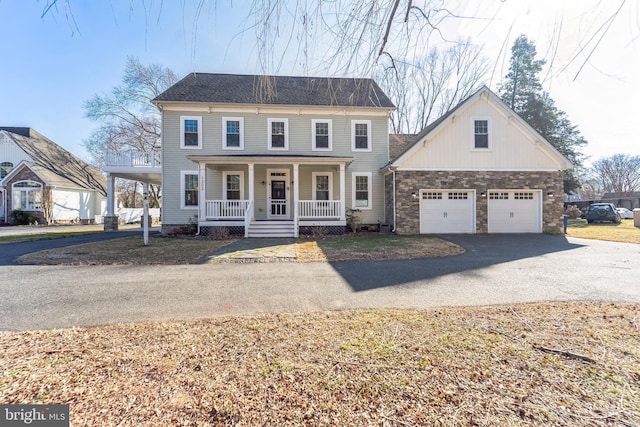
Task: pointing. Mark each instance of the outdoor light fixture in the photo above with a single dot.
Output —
(414, 195)
(550, 194)
(262, 182)
(483, 194)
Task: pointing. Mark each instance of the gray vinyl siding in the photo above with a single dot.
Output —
(256, 143)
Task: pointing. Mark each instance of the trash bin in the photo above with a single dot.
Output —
(565, 222)
(636, 217)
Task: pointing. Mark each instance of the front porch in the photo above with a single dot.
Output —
(286, 196)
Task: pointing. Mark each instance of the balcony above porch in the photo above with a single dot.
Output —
(134, 166)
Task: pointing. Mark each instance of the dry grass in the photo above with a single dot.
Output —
(623, 232)
(448, 367)
(173, 250)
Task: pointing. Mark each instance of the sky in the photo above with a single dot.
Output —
(52, 64)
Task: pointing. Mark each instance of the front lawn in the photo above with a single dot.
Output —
(623, 232)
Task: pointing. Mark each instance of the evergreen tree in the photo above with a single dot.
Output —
(522, 91)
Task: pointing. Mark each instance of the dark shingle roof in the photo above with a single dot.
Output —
(50, 159)
(398, 142)
(276, 90)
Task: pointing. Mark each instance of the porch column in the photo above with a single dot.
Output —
(145, 212)
(343, 200)
(202, 203)
(252, 190)
(110, 219)
(295, 197)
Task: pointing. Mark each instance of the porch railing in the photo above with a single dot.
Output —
(319, 209)
(248, 217)
(225, 209)
(133, 159)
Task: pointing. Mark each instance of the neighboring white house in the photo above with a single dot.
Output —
(38, 176)
(479, 168)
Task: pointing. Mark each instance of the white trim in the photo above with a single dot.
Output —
(224, 183)
(369, 190)
(39, 188)
(286, 134)
(224, 132)
(313, 134)
(474, 170)
(353, 134)
(182, 188)
(201, 107)
(314, 175)
(489, 146)
(199, 120)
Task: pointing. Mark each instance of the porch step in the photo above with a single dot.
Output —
(271, 229)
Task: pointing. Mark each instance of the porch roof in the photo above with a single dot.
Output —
(242, 159)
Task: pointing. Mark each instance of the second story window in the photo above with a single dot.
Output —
(361, 135)
(233, 133)
(278, 134)
(190, 132)
(5, 168)
(321, 135)
(480, 133)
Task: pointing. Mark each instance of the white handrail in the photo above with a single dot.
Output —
(133, 159)
(319, 209)
(248, 217)
(225, 209)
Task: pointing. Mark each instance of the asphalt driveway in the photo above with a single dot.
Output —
(494, 270)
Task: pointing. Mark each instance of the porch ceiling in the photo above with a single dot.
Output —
(268, 159)
(151, 178)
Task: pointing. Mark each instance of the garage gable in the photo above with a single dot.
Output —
(481, 133)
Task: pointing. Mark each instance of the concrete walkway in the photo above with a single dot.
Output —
(255, 250)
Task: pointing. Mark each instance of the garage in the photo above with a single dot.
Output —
(447, 211)
(514, 211)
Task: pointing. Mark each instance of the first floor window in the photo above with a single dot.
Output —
(27, 195)
(322, 190)
(362, 190)
(233, 186)
(481, 133)
(190, 190)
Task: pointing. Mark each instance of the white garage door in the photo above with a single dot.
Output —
(514, 211)
(447, 211)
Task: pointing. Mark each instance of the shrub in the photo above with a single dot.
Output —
(19, 217)
(573, 212)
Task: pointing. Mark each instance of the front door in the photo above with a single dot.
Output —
(278, 194)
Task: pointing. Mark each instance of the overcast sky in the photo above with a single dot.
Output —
(51, 65)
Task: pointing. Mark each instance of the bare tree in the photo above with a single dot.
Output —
(433, 84)
(128, 120)
(619, 173)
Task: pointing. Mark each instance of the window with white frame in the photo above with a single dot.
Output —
(481, 128)
(361, 135)
(233, 133)
(321, 135)
(322, 185)
(361, 183)
(5, 168)
(233, 185)
(189, 193)
(190, 132)
(278, 134)
(27, 195)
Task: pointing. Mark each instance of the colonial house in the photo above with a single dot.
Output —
(41, 179)
(479, 168)
(284, 156)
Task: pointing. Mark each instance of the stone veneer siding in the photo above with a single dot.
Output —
(388, 200)
(408, 208)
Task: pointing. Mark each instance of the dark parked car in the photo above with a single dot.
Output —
(603, 212)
